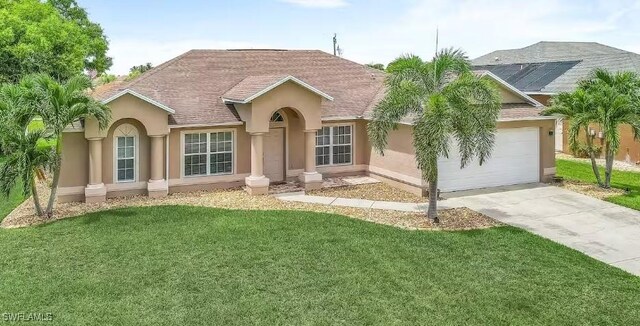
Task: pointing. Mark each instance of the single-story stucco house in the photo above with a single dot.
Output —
(224, 118)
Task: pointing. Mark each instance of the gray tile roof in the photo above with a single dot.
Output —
(590, 56)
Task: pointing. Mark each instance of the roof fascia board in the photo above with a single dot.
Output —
(140, 96)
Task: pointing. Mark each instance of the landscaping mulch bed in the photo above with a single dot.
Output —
(590, 189)
(453, 219)
(239, 199)
(372, 191)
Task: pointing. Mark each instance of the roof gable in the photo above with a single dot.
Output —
(253, 87)
(510, 88)
(140, 96)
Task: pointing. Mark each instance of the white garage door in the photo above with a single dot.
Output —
(515, 159)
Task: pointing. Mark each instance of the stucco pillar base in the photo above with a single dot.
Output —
(157, 188)
(311, 180)
(95, 193)
(257, 185)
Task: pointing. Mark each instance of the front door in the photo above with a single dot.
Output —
(274, 160)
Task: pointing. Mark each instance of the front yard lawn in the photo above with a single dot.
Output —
(180, 265)
(579, 171)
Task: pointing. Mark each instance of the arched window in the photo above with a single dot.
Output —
(125, 143)
(277, 117)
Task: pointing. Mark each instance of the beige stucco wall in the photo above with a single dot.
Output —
(295, 133)
(143, 154)
(398, 162)
(128, 106)
(75, 160)
(288, 95)
(508, 97)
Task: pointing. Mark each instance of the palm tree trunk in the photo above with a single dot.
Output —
(432, 210)
(56, 177)
(608, 166)
(36, 199)
(592, 156)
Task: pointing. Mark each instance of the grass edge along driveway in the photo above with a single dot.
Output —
(578, 171)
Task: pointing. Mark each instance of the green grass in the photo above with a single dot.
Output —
(626, 180)
(7, 204)
(173, 265)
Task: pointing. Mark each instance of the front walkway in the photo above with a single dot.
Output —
(352, 202)
(602, 230)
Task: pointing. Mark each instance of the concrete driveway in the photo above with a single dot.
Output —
(602, 230)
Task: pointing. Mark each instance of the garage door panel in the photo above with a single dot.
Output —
(515, 159)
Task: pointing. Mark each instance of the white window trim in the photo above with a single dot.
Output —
(136, 160)
(353, 144)
(234, 155)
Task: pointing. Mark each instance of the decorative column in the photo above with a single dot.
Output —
(310, 177)
(95, 192)
(257, 183)
(157, 185)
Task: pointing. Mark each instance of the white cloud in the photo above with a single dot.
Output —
(318, 3)
(482, 26)
(130, 52)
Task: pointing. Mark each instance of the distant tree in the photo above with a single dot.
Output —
(54, 37)
(606, 100)
(445, 101)
(378, 66)
(136, 71)
(105, 79)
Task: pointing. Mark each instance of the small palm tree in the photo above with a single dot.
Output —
(606, 100)
(59, 105)
(445, 101)
(25, 157)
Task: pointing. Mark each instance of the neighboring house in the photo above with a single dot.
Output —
(224, 118)
(544, 69)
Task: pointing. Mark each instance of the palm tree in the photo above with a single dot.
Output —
(59, 105)
(444, 101)
(575, 107)
(25, 157)
(606, 100)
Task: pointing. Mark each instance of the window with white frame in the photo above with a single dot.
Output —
(208, 153)
(126, 143)
(334, 145)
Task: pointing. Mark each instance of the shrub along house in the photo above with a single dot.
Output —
(224, 118)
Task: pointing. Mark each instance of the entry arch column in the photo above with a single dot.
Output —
(257, 183)
(95, 191)
(310, 177)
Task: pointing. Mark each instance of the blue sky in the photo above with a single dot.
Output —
(368, 31)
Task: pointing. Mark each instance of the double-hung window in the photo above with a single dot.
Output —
(126, 152)
(208, 153)
(334, 145)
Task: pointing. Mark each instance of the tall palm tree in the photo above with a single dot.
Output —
(59, 105)
(444, 101)
(606, 100)
(25, 157)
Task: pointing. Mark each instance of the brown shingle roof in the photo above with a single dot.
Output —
(251, 86)
(520, 111)
(193, 83)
